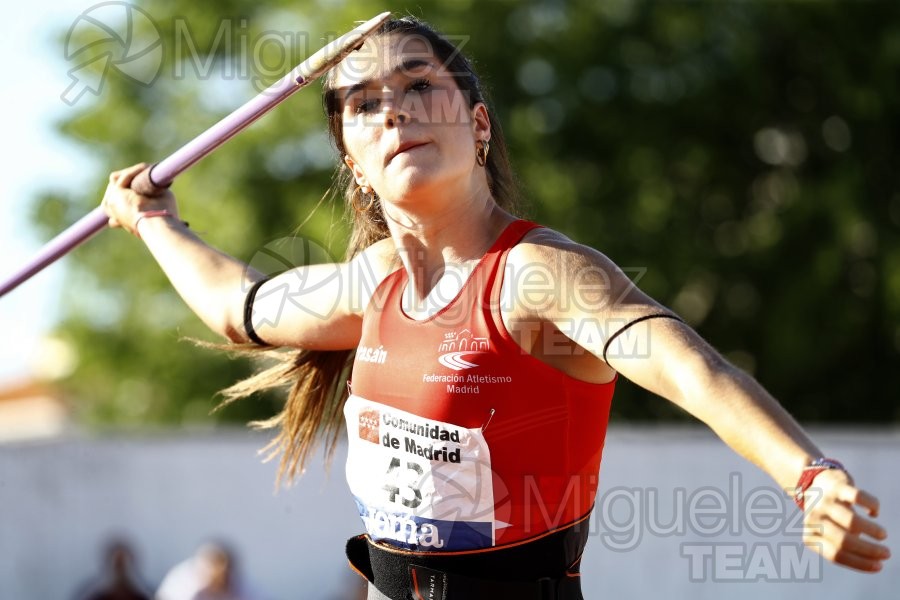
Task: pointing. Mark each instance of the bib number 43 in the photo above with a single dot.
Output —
(403, 484)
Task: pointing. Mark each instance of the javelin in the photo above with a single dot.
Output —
(158, 177)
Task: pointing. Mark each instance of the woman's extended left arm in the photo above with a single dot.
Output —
(685, 369)
(668, 358)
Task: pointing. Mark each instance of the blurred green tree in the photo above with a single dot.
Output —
(738, 158)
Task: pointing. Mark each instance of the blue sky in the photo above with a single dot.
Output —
(34, 157)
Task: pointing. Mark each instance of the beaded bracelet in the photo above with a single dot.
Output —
(809, 475)
(152, 213)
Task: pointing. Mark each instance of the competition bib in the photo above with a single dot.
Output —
(419, 484)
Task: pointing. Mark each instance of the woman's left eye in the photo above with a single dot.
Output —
(420, 85)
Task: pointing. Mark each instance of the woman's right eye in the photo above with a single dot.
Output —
(367, 106)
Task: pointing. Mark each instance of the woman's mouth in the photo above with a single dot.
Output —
(404, 147)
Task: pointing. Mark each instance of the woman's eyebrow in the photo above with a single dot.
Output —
(407, 65)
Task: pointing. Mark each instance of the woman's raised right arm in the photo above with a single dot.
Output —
(310, 307)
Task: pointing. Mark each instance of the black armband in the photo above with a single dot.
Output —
(635, 322)
(248, 313)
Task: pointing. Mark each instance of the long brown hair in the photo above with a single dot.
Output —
(317, 378)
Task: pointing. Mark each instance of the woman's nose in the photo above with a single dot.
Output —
(394, 112)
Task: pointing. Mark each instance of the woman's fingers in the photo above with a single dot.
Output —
(126, 176)
(110, 201)
(852, 495)
(837, 531)
(843, 547)
(836, 485)
(832, 552)
(847, 518)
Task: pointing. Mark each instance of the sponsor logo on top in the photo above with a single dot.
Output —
(371, 355)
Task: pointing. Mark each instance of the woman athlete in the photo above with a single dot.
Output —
(484, 348)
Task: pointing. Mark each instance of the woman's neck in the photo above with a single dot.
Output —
(453, 237)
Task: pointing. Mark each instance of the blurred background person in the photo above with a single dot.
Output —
(119, 580)
(211, 573)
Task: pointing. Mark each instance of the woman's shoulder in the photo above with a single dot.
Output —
(555, 250)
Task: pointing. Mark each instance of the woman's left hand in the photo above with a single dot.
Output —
(834, 528)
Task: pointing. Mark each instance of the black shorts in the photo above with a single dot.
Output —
(543, 568)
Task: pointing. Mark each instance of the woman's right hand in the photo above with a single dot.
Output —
(124, 206)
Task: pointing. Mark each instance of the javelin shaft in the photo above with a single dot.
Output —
(159, 176)
(81, 231)
(163, 173)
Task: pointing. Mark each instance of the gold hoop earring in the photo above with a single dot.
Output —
(355, 200)
(482, 147)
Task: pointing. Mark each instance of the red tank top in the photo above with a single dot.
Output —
(458, 439)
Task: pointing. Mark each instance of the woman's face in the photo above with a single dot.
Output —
(409, 131)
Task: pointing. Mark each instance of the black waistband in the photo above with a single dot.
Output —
(545, 568)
